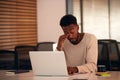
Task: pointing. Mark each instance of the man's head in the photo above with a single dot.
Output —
(70, 27)
(67, 20)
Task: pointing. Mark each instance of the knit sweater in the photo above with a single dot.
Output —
(83, 55)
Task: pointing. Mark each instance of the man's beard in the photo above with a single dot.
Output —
(74, 40)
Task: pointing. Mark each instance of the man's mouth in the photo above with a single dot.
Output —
(72, 39)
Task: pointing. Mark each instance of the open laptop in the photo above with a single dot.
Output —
(48, 63)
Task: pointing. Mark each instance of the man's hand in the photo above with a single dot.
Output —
(72, 70)
(61, 42)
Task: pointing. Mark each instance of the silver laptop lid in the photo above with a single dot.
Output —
(48, 63)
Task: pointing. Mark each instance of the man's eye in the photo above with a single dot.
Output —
(66, 32)
(72, 32)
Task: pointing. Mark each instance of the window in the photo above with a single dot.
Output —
(18, 25)
(99, 17)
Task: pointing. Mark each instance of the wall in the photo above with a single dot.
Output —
(49, 13)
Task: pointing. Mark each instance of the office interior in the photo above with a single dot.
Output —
(27, 23)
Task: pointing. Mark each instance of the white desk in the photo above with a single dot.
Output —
(29, 76)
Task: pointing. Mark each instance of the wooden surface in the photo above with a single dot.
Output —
(5, 75)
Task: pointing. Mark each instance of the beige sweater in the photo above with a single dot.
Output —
(83, 55)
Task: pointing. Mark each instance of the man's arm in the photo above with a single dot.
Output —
(91, 58)
(61, 42)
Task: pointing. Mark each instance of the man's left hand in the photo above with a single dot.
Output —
(72, 70)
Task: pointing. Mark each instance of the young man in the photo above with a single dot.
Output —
(81, 49)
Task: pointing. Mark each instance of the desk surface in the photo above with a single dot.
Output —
(4, 75)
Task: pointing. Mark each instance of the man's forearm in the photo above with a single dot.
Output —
(59, 46)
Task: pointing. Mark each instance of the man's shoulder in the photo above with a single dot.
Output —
(90, 36)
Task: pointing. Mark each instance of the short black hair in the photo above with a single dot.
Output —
(67, 20)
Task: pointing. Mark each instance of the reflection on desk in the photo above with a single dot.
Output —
(4, 75)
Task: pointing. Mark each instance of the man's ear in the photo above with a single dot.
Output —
(77, 27)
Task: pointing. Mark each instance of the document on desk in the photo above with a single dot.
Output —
(17, 71)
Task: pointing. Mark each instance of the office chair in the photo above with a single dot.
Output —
(22, 56)
(103, 56)
(118, 45)
(7, 60)
(45, 46)
(111, 51)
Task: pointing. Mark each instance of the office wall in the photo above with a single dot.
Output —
(49, 13)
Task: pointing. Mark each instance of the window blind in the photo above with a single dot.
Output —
(18, 25)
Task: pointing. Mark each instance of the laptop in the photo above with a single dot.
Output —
(48, 63)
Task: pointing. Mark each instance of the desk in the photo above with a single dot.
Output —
(115, 75)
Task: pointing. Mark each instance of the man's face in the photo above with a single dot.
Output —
(71, 31)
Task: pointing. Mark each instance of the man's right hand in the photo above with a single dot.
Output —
(61, 42)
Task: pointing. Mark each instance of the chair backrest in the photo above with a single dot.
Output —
(119, 45)
(7, 59)
(45, 46)
(103, 56)
(22, 53)
(111, 51)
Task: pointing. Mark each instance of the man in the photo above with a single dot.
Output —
(81, 49)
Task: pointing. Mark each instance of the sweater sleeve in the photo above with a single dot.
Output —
(91, 57)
